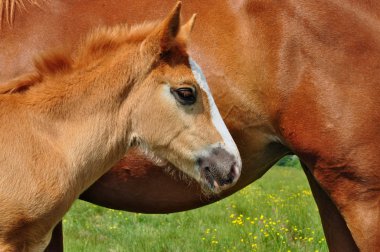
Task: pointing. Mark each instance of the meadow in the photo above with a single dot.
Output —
(276, 213)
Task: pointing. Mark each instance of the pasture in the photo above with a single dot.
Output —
(276, 213)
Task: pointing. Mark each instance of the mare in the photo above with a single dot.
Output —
(288, 76)
(68, 122)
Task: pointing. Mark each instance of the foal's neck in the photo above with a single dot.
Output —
(82, 111)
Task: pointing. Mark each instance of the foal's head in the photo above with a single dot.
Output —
(161, 97)
(175, 116)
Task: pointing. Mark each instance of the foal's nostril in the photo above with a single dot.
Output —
(230, 176)
(234, 171)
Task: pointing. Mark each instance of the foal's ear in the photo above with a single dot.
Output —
(169, 28)
(184, 33)
(166, 32)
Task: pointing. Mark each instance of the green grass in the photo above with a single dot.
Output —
(276, 213)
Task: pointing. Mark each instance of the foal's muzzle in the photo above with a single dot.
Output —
(219, 169)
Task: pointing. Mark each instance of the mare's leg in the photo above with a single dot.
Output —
(337, 234)
(56, 242)
(354, 187)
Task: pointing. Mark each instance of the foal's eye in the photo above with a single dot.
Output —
(185, 95)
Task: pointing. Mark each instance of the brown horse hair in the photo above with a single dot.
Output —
(96, 44)
(20, 84)
(8, 9)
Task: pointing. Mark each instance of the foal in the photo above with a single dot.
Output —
(65, 125)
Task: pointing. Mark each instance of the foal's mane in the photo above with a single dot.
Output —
(97, 43)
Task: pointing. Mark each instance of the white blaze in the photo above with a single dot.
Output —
(217, 119)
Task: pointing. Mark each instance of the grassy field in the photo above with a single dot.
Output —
(276, 213)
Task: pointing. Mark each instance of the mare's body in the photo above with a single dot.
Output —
(288, 76)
